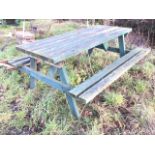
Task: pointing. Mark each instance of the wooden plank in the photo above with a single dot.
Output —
(67, 45)
(73, 51)
(18, 59)
(105, 46)
(33, 65)
(88, 95)
(60, 37)
(72, 39)
(121, 41)
(53, 38)
(90, 51)
(69, 39)
(21, 62)
(49, 81)
(52, 71)
(112, 49)
(47, 57)
(71, 101)
(101, 74)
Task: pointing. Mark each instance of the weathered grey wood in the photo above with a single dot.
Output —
(61, 37)
(71, 101)
(57, 52)
(121, 41)
(45, 79)
(55, 46)
(33, 65)
(88, 95)
(112, 49)
(68, 44)
(79, 40)
(86, 45)
(68, 39)
(20, 61)
(101, 74)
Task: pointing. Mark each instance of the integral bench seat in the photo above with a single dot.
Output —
(20, 61)
(90, 88)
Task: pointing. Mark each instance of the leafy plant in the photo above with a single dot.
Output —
(145, 115)
(113, 98)
(141, 86)
(127, 80)
(148, 69)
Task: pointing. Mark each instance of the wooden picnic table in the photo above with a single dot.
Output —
(57, 49)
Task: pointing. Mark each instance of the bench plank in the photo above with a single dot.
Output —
(88, 95)
(101, 74)
(19, 61)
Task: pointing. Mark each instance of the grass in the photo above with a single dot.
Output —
(141, 86)
(148, 69)
(115, 99)
(129, 103)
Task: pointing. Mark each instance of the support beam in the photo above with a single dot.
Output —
(105, 46)
(90, 51)
(112, 49)
(49, 81)
(33, 65)
(121, 42)
(71, 100)
(52, 71)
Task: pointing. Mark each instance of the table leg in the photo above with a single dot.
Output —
(70, 99)
(33, 65)
(90, 51)
(52, 71)
(121, 45)
(105, 46)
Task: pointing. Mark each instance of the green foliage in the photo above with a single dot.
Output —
(148, 69)
(113, 98)
(141, 86)
(19, 119)
(127, 80)
(9, 53)
(59, 29)
(145, 115)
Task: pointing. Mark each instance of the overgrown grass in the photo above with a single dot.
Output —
(113, 98)
(141, 86)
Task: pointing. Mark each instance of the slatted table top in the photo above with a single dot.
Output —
(58, 48)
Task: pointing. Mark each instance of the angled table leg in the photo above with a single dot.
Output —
(70, 99)
(121, 42)
(90, 51)
(105, 46)
(33, 65)
(52, 71)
